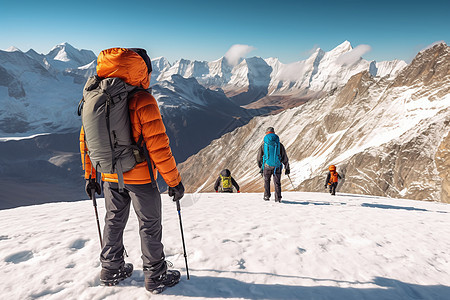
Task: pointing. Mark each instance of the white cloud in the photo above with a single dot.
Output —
(236, 52)
(353, 55)
(310, 52)
(292, 71)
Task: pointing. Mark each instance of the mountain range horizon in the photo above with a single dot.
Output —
(230, 55)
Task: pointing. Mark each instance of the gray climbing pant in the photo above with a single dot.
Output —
(146, 201)
(268, 173)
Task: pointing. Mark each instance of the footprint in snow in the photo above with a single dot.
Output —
(19, 257)
(78, 244)
(301, 250)
(70, 266)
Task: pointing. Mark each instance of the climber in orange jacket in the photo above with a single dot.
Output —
(332, 179)
(133, 66)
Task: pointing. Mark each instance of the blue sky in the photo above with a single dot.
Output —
(205, 30)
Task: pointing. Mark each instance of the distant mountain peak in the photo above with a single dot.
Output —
(343, 47)
(437, 43)
(13, 49)
(66, 45)
(66, 53)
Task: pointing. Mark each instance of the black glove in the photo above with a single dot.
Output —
(287, 171)
(92, 184)
(177, 192)
(326, 186)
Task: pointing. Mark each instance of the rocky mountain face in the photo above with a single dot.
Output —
(387, 136)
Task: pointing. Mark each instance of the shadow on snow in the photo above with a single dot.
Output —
(221, 287)
(370, 205)
(386, 206)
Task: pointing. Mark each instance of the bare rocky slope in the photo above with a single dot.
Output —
(388, 137)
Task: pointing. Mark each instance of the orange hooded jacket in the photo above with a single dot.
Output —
(333, 176)
(145, 118)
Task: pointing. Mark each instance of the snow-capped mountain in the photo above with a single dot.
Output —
(65, 56)
(387, 137)
(33, 86)
(255, 78)
(36, 90)
(158, 64)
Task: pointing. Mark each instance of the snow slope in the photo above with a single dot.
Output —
(311, 246)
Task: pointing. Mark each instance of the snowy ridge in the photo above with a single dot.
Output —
(322, 71)
(339, 248)
(389, 68)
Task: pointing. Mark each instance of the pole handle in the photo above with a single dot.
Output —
(94, 201)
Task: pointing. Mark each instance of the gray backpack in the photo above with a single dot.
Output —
(107, 130)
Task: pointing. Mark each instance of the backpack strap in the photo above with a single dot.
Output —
(275, 153)
(147, 157)
(120, 176)
(264, 155)
(80, 106)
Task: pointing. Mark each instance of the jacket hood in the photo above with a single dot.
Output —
(225, 173)
(270, 130)
(125, 64)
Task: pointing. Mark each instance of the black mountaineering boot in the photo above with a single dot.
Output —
(157, 285)
(112, 277)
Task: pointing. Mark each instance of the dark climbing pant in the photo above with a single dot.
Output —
(333, 188)
(268, 173)
(146, 201)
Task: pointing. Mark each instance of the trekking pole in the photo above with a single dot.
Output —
(96, 216)
(291, 182)
(182, 238)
